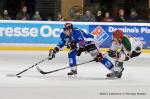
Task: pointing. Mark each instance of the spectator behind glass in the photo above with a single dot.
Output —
(23, 15)
(107, 18)
(6, 15)
(88, 17)
(121, 16)
(133, 17)
(77, 16)
(59, 17)
(37, 16)
(98, 16)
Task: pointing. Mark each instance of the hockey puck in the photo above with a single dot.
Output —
(19, 76)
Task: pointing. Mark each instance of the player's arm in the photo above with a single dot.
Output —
(112, 52)
(117, 51)
(56, 49)
(87, 35)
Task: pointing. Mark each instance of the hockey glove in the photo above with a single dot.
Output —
(99, 57)
(52, 53)
(113, 54)
(73, 45)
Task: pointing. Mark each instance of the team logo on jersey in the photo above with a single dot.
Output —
(100, 34)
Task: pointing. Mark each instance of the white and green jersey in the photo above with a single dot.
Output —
(128, 44)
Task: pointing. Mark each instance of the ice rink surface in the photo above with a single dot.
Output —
(90, 83)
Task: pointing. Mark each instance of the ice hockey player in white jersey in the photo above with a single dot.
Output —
(123, 48)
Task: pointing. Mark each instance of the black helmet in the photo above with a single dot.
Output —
(68, 26)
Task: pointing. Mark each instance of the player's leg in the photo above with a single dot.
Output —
(118, 68)
(94, 52)
(72, 62)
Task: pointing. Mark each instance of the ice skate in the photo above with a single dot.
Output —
(115, 74)
(72, 72)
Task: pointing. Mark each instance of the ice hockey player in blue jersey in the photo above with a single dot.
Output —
(78, 41)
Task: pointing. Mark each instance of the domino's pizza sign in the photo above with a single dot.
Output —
(100, 35)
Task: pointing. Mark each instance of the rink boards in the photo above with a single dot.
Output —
(43, 35)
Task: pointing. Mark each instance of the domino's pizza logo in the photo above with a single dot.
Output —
(97, 31)
(100, 34)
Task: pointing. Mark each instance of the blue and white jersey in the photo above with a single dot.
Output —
(78, 36)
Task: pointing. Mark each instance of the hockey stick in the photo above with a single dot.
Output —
(43, 72)
(18, 74)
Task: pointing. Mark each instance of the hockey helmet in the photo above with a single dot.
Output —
(118, 34)
(68, 26)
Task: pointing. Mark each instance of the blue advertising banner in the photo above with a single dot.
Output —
(41, 32)
(139, 32)
(38, 33)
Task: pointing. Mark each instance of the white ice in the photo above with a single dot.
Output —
(90, 83)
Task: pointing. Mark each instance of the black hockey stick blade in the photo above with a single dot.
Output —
(43, 72)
